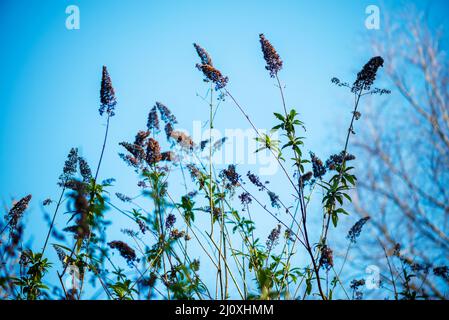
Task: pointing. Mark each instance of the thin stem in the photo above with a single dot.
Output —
(227, 266)
(93, 193)
(193, 232)
(337, 277)
(345, 259)
(391, 272)
(102, 149)
(211, 200)
(147, 269)
(291, 136)
(282, 95)
(273, 215)
(289, 256)
(340, 175)
(258, 133)
(53, 221)
(211, 195)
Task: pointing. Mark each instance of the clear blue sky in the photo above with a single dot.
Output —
(50, 76)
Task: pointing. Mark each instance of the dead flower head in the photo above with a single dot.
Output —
(274, 62)
(107, 94)
(124, 249)
(213, 75)
(17, 211)
(204, 56)
(153, 151)
(182, 139)
(366, 77)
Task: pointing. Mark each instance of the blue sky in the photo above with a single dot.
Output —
(49, 85)
(50, 76)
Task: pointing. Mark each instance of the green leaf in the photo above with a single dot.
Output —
(350, 178)
(335, 219)
(279, 116)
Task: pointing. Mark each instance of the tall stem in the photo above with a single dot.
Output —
(92, 195)
(258, 133)
(211, 195)
(211, 200)
(340, 174)
(102, 149)
(53, 221)
(291, 136)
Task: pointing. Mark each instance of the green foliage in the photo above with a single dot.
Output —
(123, 290)
(336, 191)
(30, 283)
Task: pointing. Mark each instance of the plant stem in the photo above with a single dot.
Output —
(258, 133)
(103, 148)
(340, 175)
(211, 200)
(92, 200)
(53, 221)
(291, 136)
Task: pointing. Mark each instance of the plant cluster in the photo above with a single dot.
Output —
(161, 259)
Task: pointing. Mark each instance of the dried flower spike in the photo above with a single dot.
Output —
(355, 284)
(274, 62)
(255, 180)
(274, 198)
(273, 238)
(166, 114)
(319, 170)
(213, 75)
(183, 140)
(169, 156)
(170, 221)
(122, 197)
(336, 160)
(326, 259)
(153, 120)
(356, 229)
(231, 177)
(17, 211)
(153, 152)
(140, 138)
(137, 153)
(85, 171)
(366, 77)
(69, 167)
(245, 198)
(125, 250)
(203, 144)
(107, 94)
(204, 56)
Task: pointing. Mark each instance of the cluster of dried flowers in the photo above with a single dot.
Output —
(209, 71)
(272, 58)
(16, 212)
(107, 94)
(124, 249)
(145, 154)
(146, 150)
